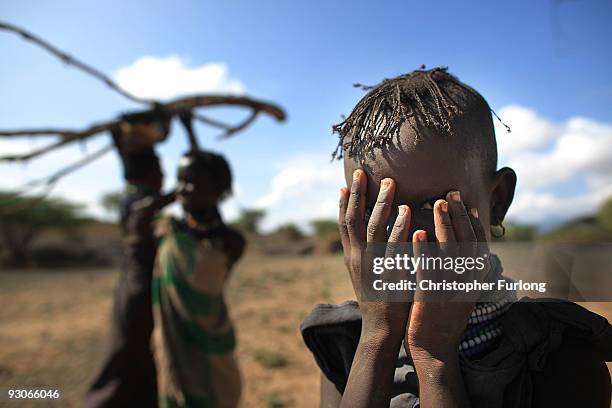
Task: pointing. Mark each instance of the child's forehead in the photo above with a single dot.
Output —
(422, 169)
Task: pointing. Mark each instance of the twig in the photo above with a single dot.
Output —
(49, 182)
(54, 178)
(229, 129)
(35, 132)
(201, 101)
(211, 122)
(68, 59)
(66, 137)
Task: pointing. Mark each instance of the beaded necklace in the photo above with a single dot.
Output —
(483, 329)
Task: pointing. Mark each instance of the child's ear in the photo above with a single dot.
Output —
(502, 193)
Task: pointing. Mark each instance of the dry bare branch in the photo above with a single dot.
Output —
(54, 178)
(65, 137)
(172, 108)
(68, 59)
(203, 101)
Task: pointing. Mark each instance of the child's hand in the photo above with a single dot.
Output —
(436, 327)
(143, 211)
(380, 319)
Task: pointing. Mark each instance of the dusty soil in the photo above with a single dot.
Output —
(53, 326)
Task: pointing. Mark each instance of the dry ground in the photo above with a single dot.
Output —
(53, 326)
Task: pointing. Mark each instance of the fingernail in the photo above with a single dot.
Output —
(455, 196)
(421, 236)
(401, 212)
(444, 206)
(356, 174)
(474, 212)
(385, 183)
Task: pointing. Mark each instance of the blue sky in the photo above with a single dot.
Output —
(544, 65)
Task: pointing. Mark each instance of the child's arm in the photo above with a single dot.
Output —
(435, 328)
(383, 323)
(234, 246)
(141, 214)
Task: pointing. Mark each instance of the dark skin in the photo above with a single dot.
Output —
(197, 194)
(199, 199)
(195, 189)
(431, 191)
(136, 137)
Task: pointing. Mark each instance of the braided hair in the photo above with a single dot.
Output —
(433, 98)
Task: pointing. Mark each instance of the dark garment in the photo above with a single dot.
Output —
(127, 377)
(501, 378)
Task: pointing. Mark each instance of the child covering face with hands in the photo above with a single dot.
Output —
(421, 163)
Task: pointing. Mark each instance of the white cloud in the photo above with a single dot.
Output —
(304, 189)
(169, 77)
(546, 208)
(529, 131)
(576, 152)
(230, 208)
(580, 146)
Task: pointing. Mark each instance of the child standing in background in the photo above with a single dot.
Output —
(193, 337)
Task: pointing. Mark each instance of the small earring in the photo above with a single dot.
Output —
(498, 231)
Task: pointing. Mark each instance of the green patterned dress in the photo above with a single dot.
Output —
(193, 338)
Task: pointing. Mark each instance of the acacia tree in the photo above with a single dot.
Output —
(111, 202)
(23, 218)
(604, 215)
(249, 220)
(324, 228)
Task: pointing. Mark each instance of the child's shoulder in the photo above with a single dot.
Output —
(234, 242)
